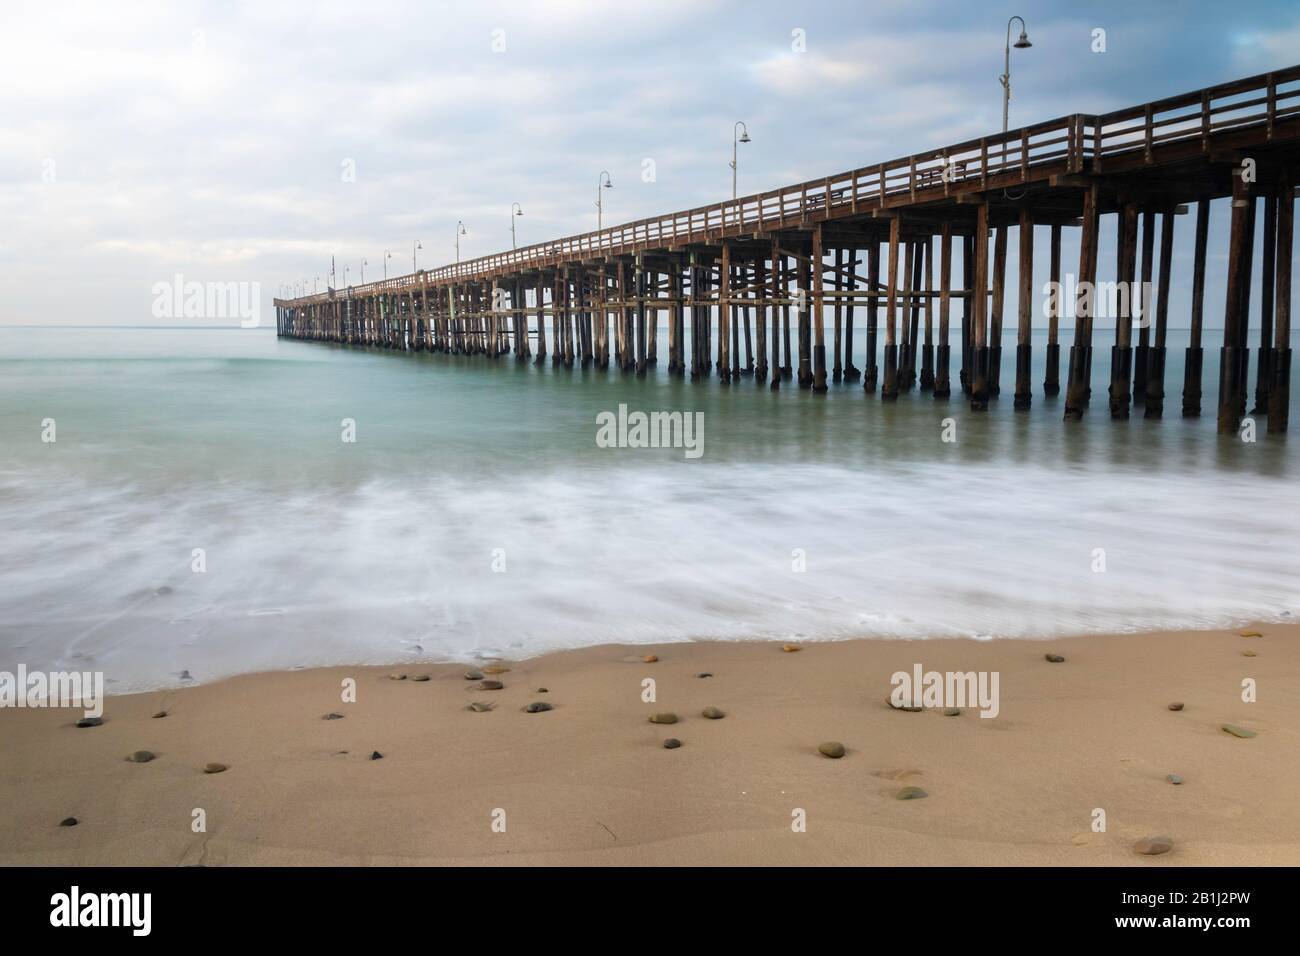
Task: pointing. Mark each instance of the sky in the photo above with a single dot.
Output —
(258, 142)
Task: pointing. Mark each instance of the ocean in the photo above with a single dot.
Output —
(199, 512)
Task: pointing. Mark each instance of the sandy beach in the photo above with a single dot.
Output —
(590, 781)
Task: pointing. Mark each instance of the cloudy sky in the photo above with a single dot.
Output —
(214, 140)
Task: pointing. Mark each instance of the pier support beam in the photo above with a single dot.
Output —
(1279, 392)
(1052, 373)
(942, 373)
(1078, 386)
(1140, 369)
(979, 399)
(1232, 404)
(1121, 356)
(889, 385)
(995, 314)
(1268, 264)
(1155, 361)
(819, 313)
(1024, 395)
(871, 374)
(1195, 359)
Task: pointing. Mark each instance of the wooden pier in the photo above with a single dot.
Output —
(864, 243)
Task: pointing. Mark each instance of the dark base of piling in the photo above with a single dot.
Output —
(1024, 394)
(870, 378)
(1279, 393)
(1155, 395)
(1232, 405)
(1121, 371)
(1052, 376)
(889, 387)
(1077, 390)
(979, 393)
(1192, 382)
(1263, 379)
(942, 375)
(995, 371)
(852, 373)
(1141, 371)
(927, 368)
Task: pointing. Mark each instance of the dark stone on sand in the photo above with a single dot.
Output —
(90, 721)
(69, 822)
(952, 711)
(397, 677)
(333, 716)
(911, 793)
(140, 756)
(538, 707)
(704, 674)
(160, 715)
(376, 755)
(420, 678)
(496, 669)
(473, 675)
(1236, 731)
(1174, 779)
(479, 707)
(713, 713)
(672, 743)
(490, 685)
(1176, 705)
(542, 690)
(215, 768)
(664, 718)
(1153, 845)
(832, 748)
(1054, 658)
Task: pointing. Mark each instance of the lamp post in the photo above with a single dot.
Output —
(416, 247)
(1005, 79)
(601, 180)
(461, 231)
(744, 138)
(345, 277)
(363, 271)
(387, 255)
(515, 210)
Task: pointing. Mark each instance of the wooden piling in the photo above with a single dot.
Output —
(1154, 400)
(942, 374)
(927, 308)
(979, 399)
(818, 313)
(995, 311)
(1195, 358)
(1141, 295)
(1279, 392)
(837, 344)
(871, 371)
(1025, 312)
(889, 385)
(1078, 387)
(1231, 409)
(1121, 355)
(1268, 264)
(760, 319)
(1052, 373)
(851, 372)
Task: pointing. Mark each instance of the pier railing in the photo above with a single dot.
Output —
(1074, 144)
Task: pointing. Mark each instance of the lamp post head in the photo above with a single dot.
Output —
(1023, 43)
(744, 137)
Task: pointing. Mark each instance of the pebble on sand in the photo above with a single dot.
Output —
(1174, 779)
(911, 793)
(473, 675)
(161, 714)
(140, 756)
(1153, 845)
(69, 822)
(397, 677)
(1250, 634)
(1176, 705)
(490, 685)
(650, 659)
(791, 648)
(332, 716)
(90, 721)
(376, 755)
(664, 718)
(703, 674)
(479, 707)
(420, 678)
(1054, 658)
(215, 768)
(1249, 654)
(543, 690)
(496, 669)
(832, 748)
(713, 713)
(1237, 731)
(538, 707)
(672, 743)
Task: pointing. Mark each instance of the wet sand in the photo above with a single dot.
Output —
(590, 783)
